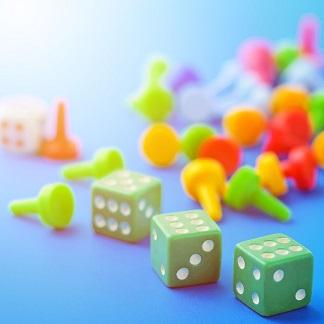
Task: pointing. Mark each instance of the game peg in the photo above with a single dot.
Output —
(308, 35)
(192, 138)
(244, 190)
(245, 125)
(154, 102)
(301, 167)
(285, 55)
(204, 181)
(288, 98)
(105, 161)
(61, 147)
(256, 57)
(183, 78)
(318, 149)
(271, 175)
(160, 145)
(288, 130)
(54, 204)
(222, 149)
(317, 110)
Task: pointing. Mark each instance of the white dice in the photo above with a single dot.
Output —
(22, 123)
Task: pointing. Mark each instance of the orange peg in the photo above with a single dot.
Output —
(61, 147)
(204, 181)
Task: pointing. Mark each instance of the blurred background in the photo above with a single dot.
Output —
(92, 54)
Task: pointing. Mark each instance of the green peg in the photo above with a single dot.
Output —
(285, 55)
(105, 161)
(317, 110)
(154, 102)
(244, 189)
(54, 204)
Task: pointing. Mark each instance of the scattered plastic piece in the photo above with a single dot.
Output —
(289, 97)
(305, 73)
(186, 76)
(192, 138)
(271, 175)
(22, 121)
(308, 34)
(222, 149)
(61, 147)
(301, 168)
(288, 130)
(317, 111)
(105, 161)
(244, 190)
(285, 55)
(160, 145)
(318, 149)
(54, 204)
(204, 181)
(245, 125)
(155, 102)
(256, 56)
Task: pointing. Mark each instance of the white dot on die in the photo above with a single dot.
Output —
(283, 240)
(195, 259)
(255, 298)
(149, 212)
(256, 247)
(125, 209)
(269, 243)
(208, 245)
(145, 179)
(125, 228)
(278, 275)
(99, 221)
(240, 288)
(112, 224)
(282, 252)
(181, 231)
(141, 205)
(182, 273)
(110, 182)
(268, 255)
(162, 269)
(241, 262)
(176, 224)
(112, 205)
(300, 294)
(99, 202)
(192, 216)
(171, 218)
(154, 235)
(202, 228)
(197, 222)
(256, 274)
(295, 248)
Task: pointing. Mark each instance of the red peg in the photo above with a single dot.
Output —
(301, 167)
(288, 130)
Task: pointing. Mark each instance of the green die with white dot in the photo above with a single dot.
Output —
(273, 274)
(123, 204)
(186, 248)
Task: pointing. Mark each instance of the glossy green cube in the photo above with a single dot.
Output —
(123, 204)
(273, 274)
(186, 248)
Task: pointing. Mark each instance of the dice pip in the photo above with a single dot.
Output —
(123, 204)
(273, 274)
(185, 248)
(22, 122)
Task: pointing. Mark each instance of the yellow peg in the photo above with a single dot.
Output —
(204, 181)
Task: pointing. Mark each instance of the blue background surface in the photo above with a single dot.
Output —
(92, 53)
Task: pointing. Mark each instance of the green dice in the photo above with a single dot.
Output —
(185, 248)
(123, 204)
(273, 274)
